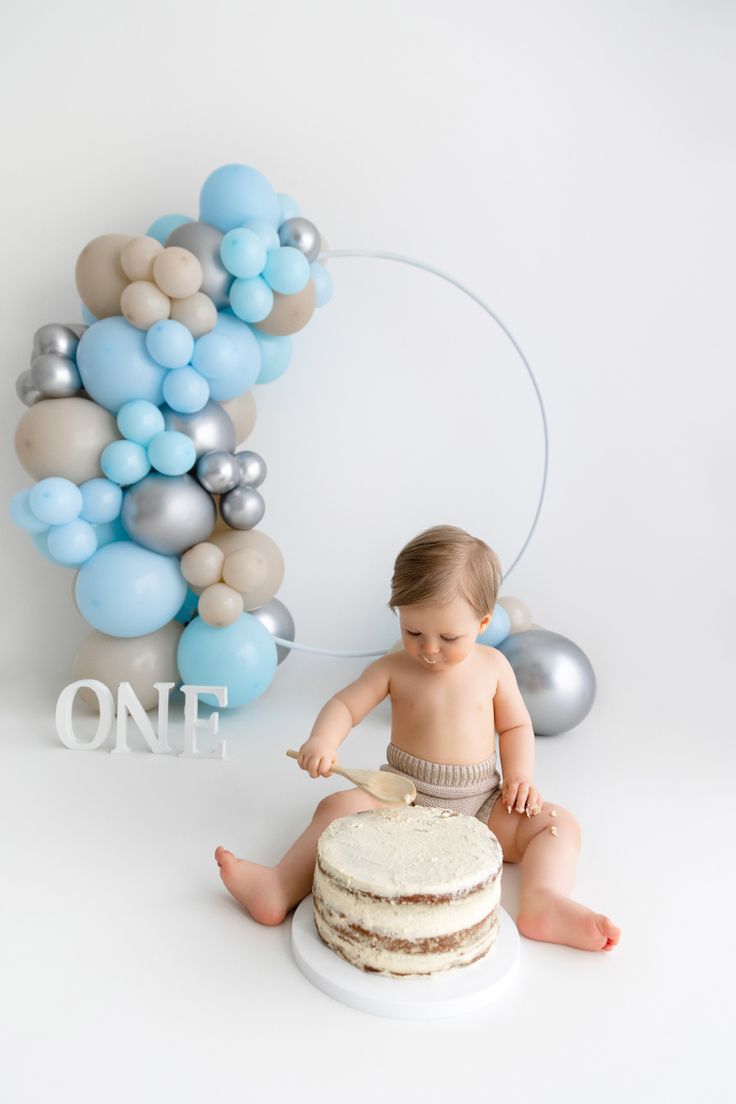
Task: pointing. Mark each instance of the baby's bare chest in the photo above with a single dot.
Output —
(440, 701)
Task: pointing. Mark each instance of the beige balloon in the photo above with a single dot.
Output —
(177, 272)
(243, 414)
(272, 562)
(220, 605)
(139, 660)
(290, 313)
(64, 437)
(143, 303)
(99, 274)
(197, 312)
(202, 564)
(519, 615)
(137, 257)
(245, 570)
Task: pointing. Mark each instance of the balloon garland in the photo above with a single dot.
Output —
(132, 428)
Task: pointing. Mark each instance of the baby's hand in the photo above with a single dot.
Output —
(521, 794)
(317, 757)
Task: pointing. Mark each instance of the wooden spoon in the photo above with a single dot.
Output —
(391, 788)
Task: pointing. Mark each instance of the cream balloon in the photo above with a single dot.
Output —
(139, 660)
(143, 304)
(220, 605)
(243, 414)
(99, 274)
(245, 570)
(202, 564)
(64, 437)
(290, 313)
(197, 312)
(268, 557)
(137, 257)
(519, 615)
(177, 272)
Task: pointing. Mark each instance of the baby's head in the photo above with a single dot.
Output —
(444, 563)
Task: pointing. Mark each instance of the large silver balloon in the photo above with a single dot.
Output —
(55, 376)
(301, 234)
(252, 468)
(211, 428)
(556, 679)
(204, 242)
(55, 338)
(242, 508)
(218, 472)
(25, 390)
(168, 514)
(279, 622)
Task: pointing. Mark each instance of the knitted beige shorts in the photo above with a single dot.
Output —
(472, 788)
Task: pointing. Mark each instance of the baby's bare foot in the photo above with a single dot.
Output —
(554, 918)
(256, 887)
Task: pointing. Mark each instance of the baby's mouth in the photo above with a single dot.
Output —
(431, 662)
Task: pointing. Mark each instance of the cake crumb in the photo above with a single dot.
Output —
(553, 830)
(553, 812)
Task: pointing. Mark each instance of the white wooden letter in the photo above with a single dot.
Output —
(129, 704)
(192, 721)
(65, 707)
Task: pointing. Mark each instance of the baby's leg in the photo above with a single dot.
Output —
(547, 845)
(270, 892)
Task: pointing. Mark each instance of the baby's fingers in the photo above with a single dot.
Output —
(510, 795)
(521, 795)
(325, 766)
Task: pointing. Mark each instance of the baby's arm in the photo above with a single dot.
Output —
(515, 742)
(341, 713)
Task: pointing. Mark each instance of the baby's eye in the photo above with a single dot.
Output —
(410, 633)
(449, 639)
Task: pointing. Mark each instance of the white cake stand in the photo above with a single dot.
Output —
(463, 990)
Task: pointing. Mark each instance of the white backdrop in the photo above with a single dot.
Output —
(574, 164)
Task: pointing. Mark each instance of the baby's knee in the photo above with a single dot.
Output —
(553, 815)
(343, 803)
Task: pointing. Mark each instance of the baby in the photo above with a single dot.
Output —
(448, 696)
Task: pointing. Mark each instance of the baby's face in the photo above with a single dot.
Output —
(440, 637)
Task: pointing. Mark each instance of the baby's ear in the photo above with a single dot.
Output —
(485, 621)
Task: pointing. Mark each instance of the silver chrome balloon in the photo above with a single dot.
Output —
(279, 622)
(168, 513)
(218, 472)
(55, 376)
(211, 428)
(556, 679)
(204, 242)
(77, 328)
(301, 234)
(252, 468)
(25, 390)
(242, 508)
(55, 337)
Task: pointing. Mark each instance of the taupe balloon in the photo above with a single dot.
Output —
(556, 679)
(202, 564)
(55, 376)
(211, 428)
(55, 337)
(290, 313)
(139, 660)
(242, 508)
(263, 554)
(137, 257)
(279, 622)
(143, 304)
(64, 437)
(245, 569)
(99, 275)
(168, 514)
(204, 242)
(25, 390)
(252, 468)
(301, 234)
(177, 272)
(242, 411)
(197, 312)
(219, 605)
(519, 615)
(218, 472)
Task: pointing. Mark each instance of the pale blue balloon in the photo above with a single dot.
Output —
(288, 207)
(275, 355)
(102, 500)
(244, 374)
(243, 253)
(124, 462)
(72, 543)
(268, 233)
(215, 355)
(88, 317)
(251, 300)
(170, 343)
(498, 630)
(23, 515)
(186, 390)
(286, 271)
(110, 531)
(234, 193)
(55, 501)
(41, 544)
(116, 367)
(323, 283)
(126, 590)
(172, 453)
(241, 656)
(140, 421)
(165, 225)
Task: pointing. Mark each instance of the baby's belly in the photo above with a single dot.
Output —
(457, 743)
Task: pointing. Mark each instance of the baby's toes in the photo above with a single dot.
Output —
(608, 929)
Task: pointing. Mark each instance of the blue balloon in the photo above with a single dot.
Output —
(275, 356)
(88, 317)
(72, 543)
(165, 225)
(186, 391)
(242, 657)
(188, 607)
(243, 253)
(170, 343)
(172, 453)
(286, 271)
(234, 193)
(41, 543)
(251, 300)
(268, 233)
(126, 590)
(288, 207)
(323, 283)
(248, 363)
(55, 501)
(110, 531)
(215, 355)
(124, 462)
(23, 515)
(140, 421)
(102, 500)
(116, 367)
(498, 630)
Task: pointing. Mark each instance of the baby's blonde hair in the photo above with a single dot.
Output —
(442, 563)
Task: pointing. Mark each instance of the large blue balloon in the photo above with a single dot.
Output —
(241, 657)
(234, 193)
(116, 366)
(126, 590)
(244, 371)
(498, 630)
(275, 355)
